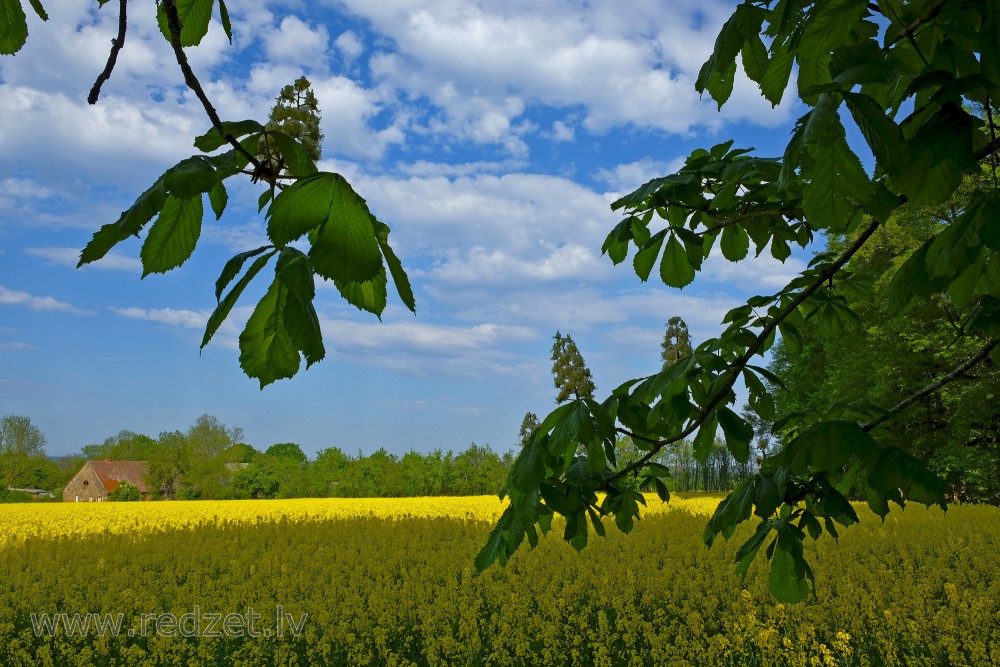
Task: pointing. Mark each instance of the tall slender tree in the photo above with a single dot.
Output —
(529, 425)
(570, 374)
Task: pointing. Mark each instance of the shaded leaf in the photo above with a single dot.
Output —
(225, 305)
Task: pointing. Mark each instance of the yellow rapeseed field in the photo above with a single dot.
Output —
(46, 520)
(391, 582)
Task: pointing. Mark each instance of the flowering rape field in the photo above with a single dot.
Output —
(391, 582)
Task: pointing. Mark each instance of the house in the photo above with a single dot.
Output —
(97, 479)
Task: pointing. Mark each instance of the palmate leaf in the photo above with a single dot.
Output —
(738, 434)
(230, 271)
(194, 16)
(779, 68)
(303, 327)
(788, 581)
(735, 243)
(13, 27)
(676, 269)
(300, 208)
(346, 247)
(882, 134)
(941, 153)
(370, 296)
(130, 223)
(173, 236)
(399, 277)
(838, 186)
(267, 350)
(344, 243)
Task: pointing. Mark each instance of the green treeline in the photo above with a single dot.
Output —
(211, 461)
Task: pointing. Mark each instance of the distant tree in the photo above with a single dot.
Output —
(206, 444)
(529, 425)
(287, 450)
(241, 453)
(168, 464)
(22, 451)
(570, 373)
(125, 446)
(125, 492)
(328, 470)
(676, 342)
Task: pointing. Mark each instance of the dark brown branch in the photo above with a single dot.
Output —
(740, 364)
(951, 376)
(174, 26)
(116, 46)
(928, 16)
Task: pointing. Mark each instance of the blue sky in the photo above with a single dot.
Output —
(490, 136)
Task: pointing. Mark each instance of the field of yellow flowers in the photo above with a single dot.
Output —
(391, 582)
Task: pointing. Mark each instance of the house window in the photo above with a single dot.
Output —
(86, 482)
(77, 499)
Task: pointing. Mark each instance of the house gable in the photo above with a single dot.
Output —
(97, 479)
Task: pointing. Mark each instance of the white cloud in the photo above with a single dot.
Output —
(753, 273)
(187, 319)
(348, 109)
(44, 303)
(24, 188)
(349, 45)
(562, 132)
(295, 41)
(516, 213)
(70, 256)
(424, 168)
(480, 266)
(632, 63)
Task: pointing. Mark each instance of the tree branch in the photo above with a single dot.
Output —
(174, 26)
(952, 375)
(927, 17)
(116, 46)
(724, 221)
(740, 364)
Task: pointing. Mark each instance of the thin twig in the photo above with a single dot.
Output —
(116, 46)
(174, 26)
(952, 375)
(740, 364)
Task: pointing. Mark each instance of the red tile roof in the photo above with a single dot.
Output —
(113, 473)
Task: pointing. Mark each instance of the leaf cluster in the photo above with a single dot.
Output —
(908, 76)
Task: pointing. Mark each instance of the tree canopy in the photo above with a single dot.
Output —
(918, 80)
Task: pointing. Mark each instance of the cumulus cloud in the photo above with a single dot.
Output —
(187, 319)
(349, 44)
(597, 57)
(295, 41)
(11, 297)
(69, 257)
